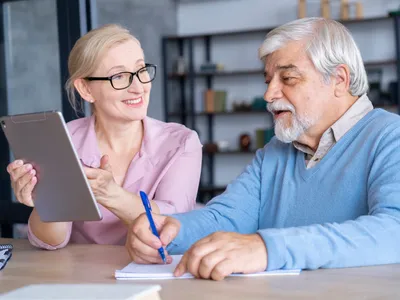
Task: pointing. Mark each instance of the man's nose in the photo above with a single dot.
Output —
(273, 91)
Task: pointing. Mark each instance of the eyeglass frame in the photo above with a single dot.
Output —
(109, 78)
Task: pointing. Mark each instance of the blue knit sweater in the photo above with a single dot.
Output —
(343, 212)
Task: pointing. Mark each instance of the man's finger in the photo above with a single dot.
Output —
(208, 263)
(144, 250)
(222, 269)
(181, 267)
(148, 259)
(169, 232)
(197, 253)
(141, 229)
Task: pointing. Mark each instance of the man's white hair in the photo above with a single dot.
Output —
(328, 44)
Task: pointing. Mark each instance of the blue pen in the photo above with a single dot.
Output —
(147, 208)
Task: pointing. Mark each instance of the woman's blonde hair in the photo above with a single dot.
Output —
(88, 50)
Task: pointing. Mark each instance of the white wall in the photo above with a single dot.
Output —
(375, 39)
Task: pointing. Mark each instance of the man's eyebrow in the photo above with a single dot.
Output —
(289, 67)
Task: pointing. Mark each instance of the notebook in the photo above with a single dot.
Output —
(136, 271)
(85, 292)
(5, 254)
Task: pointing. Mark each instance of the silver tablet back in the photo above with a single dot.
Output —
(62, 192)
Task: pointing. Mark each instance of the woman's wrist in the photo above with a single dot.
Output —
(127, 206)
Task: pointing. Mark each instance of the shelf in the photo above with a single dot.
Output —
(220, 73)
(379, 63)
(368, 64)
(267, 29)
(227, 113)
(229, 152)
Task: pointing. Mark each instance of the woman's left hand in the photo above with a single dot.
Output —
(102, 182)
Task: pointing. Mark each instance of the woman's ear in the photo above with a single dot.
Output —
(84, 90)
(342, 80)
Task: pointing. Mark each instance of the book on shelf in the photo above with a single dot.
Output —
(214, 101)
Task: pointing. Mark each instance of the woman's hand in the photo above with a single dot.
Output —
(102, 182)
(23, 180)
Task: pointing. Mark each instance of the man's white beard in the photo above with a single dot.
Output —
(293, 132)
(298, 127)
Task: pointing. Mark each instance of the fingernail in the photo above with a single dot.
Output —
(33, 172)
(18, 163)
(28, 167)
(177, 272)
(169, 259)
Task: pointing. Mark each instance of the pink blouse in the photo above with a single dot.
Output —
(167, 168)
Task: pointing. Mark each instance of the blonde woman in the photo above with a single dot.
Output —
(123, 151)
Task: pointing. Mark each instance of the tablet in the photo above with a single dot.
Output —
(62, 192)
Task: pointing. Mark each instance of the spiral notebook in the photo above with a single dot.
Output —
(136, 271)
(5, 254)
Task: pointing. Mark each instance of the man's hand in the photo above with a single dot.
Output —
(223, 253)
(142, 244)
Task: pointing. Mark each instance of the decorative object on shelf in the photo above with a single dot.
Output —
(325, 9)
(223, 145)
(394, 13)
(344, 9)
(263, 136)
(214, 101)
(210, 147)
(244, 142)
(359, 10)
(180, 65)
(241, 106)
(211, 67)
(259, 104)
(302, 9)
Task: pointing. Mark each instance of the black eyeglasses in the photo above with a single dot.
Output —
(123, 80)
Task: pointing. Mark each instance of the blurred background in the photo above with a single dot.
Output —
(209, 77)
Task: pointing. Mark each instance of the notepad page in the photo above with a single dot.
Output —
(152, 271)
(155, 271)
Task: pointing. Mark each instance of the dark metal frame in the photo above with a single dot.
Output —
(74, 19)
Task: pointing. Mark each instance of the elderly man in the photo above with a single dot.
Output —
(325, 193)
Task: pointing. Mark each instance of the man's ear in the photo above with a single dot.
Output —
(84, 90)
(342, 80)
